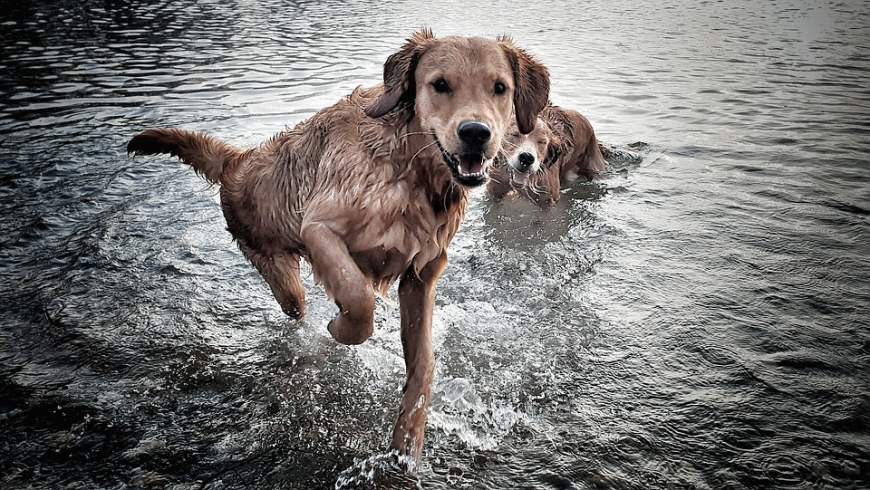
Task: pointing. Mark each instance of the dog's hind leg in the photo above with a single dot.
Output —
(416, 299)
(281, 273)
(344, 281)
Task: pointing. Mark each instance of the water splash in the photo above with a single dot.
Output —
(458, 410)
(383, 470)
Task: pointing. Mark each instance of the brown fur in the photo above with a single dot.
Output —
(364, 192)
(565, 148)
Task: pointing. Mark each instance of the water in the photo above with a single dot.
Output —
(695, 320)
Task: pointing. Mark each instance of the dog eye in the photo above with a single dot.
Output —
(499, 88)
(441, 86)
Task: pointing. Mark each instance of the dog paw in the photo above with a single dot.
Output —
(348, 334)
(294, 312)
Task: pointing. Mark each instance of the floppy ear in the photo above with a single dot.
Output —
(554, 151)
(399, 83)
(531, 84)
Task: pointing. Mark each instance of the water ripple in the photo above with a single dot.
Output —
(694, 320)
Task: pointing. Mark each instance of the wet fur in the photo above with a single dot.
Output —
(361, 192)
(572, 151)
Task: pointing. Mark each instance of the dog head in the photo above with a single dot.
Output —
(464, 93)
(527, 154)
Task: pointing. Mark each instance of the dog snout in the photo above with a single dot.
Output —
(526, 160)
(474, 134)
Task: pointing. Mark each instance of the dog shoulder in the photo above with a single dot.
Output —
(348, 132)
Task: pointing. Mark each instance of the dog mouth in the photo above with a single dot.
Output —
(520, 174)
(469, 169)
(520, 178)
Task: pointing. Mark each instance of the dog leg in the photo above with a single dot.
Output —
(416, 299)
(281, 273)
(286, 285)
(343, 280)
(499, 184)
(555, 191)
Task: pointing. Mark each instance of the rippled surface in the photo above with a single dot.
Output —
(697, 320)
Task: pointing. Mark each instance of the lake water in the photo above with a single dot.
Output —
(697, 320)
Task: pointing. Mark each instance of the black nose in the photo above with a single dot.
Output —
(473, 133)
(526, 160)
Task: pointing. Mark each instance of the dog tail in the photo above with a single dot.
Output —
(205, 154)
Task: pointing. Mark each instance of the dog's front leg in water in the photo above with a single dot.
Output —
(344, 281)
(416, 300)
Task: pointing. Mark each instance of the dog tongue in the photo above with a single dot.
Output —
(470, 163)
(470, 167)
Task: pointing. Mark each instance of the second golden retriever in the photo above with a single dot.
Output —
(373, 188)
(561, 147)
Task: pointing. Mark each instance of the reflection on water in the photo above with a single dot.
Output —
(694, 320)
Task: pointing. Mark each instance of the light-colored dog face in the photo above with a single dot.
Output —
(464, 92)
(527, 153)
(464, 97)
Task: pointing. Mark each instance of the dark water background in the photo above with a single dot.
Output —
(698, 320)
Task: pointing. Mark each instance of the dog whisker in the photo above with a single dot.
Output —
(430, 133)
(420, 150)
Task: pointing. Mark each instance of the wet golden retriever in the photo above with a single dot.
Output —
(373, 188)
(561, 147)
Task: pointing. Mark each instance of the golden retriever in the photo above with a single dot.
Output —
(561, 147)
(373, 189)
